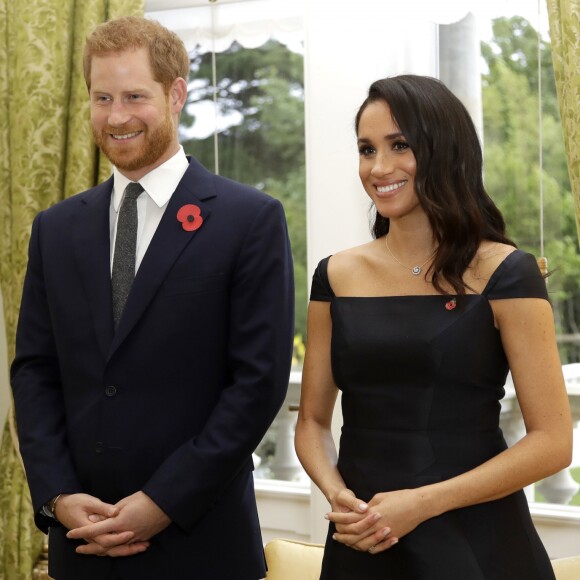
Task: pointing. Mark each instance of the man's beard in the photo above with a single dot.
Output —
(153, 146)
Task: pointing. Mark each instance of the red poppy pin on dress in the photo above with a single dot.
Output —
(451, 304)
(190, 217)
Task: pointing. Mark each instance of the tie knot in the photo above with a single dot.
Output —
(133, 191)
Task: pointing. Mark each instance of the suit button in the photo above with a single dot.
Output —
(110, 391)
(99, 447)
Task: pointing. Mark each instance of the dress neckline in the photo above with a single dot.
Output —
(496, 275)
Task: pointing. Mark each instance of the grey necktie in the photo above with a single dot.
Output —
(125, 246)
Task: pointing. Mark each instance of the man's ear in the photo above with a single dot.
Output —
(178, 95)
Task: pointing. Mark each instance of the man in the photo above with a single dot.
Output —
(139, 401)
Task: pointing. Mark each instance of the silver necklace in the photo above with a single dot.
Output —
(415, 270)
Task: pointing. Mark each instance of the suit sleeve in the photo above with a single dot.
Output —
(259, 356)
(38, 402)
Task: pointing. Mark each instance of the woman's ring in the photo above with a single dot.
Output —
(371, 549)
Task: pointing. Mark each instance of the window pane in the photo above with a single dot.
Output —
(260, 120)
(259, 114)
(512, 173)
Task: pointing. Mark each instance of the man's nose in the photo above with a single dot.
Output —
(118, 114)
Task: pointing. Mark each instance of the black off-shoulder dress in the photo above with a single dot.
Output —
(421, 379)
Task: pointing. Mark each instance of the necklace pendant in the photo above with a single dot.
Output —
(416, 270)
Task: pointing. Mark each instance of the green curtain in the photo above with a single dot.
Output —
(565, 36)
(46, 154)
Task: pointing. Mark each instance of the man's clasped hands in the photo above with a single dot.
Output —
(123, 529)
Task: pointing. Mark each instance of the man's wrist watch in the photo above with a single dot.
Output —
(49, 507)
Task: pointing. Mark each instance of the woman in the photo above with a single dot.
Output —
(418, 329)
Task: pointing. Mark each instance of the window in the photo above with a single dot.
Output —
(244, 119)
(259, 112)
(532, 189)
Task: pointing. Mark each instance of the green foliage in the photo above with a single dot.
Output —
(515, 45)
(261, 92)
(512, 169)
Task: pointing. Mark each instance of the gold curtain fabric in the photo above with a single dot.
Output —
(46, 154)
(564, 18)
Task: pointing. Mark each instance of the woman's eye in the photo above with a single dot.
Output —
(400, 146)
(366, 151)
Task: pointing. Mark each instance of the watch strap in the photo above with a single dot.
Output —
(49, 507)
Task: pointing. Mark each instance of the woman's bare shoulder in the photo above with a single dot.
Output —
(352, 256)
(349, 263)
(487, 259)
(491, 254)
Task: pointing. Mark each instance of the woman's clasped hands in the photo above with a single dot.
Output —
(377, 525)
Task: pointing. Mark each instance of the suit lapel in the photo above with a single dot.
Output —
(91, 242)
(167, 244)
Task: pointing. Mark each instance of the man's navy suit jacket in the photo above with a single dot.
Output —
(176, 400)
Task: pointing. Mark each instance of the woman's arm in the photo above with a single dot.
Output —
(314, 443)
(528, 336)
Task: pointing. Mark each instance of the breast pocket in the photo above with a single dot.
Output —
(195, 285)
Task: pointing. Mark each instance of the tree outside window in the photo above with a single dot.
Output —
(512, 169)
(259, 115)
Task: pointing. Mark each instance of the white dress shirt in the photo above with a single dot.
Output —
(159, 186)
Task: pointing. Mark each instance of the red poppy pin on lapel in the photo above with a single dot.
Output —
(190, 217)
(451, 304)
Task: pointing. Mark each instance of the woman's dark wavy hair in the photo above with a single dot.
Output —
(449, 177)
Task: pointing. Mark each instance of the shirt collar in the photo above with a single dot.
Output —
(159, 184)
